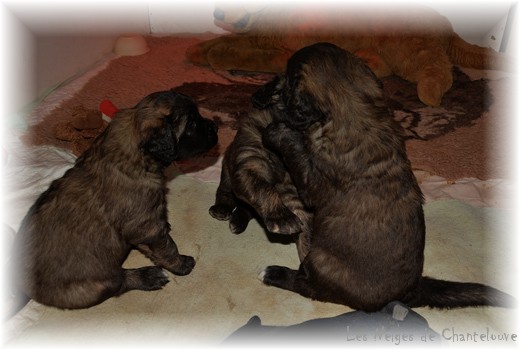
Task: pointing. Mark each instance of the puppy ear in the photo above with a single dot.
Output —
(303, 109)
(363, 80)
(161, 144)
(263, 97)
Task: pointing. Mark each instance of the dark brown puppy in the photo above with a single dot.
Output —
(347, 158)
(253, 179)
(76, 236)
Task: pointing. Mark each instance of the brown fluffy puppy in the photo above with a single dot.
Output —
(347, 158)
(74, 239)
(255, 181)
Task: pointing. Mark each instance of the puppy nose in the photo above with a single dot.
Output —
(219, 14)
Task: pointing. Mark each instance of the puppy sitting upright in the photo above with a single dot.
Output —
(347, 158)
(73, 241)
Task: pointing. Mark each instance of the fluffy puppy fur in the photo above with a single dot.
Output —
(347, 159)
(255, 181)
(73, 241)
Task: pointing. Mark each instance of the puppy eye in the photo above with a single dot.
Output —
(190, 125)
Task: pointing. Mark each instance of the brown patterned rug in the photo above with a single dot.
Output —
(449, 141)
(461, 107)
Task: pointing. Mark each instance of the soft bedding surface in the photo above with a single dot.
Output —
(469, 231)
(464, 243)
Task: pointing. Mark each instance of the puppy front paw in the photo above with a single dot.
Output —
(184, 265)
(272, 136)
(283, 221)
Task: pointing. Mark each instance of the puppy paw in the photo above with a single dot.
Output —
(283, 221)
(221, 212)
(273, 134)
(184, 266)
(278, 276)
(237, 226)
(151, 278)
(239, 220)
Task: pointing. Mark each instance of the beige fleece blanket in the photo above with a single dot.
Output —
(464, 243)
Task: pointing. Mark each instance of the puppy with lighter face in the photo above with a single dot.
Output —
(74, 239)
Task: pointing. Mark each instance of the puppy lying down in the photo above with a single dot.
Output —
(74, 239)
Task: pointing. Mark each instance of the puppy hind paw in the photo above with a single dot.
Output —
(278, 276)
(239, 220)
(237, 226)
(221, 212)
(151, 278)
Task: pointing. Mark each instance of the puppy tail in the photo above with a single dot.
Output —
(447, 295)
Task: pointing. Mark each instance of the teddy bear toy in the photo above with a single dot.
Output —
(413, 42)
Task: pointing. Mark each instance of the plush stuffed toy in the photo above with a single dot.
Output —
(85, 126)
(413, 42)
